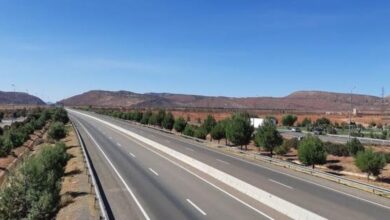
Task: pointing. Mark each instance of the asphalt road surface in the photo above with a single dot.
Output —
(141, 182)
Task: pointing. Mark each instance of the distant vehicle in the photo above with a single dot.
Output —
(258, 122)
(295, 130)
(317, 131)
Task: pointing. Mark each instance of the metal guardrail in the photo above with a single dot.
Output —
(380, 191)
(92, 174)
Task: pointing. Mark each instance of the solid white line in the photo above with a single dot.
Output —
(155, 173)
(283, 173)
(258, 194)
(196, 207)
(132, 155)
(301, 179)
(196, 175)
(274, 181)
(118, 174)
(222, 161)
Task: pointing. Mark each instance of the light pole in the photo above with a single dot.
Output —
(13, 104)
(350, 116)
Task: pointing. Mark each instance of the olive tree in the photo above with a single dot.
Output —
(370, 162)
(311, 151)
(268, 137)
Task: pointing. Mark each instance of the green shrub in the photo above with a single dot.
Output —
(268, 137)
(282, 149)
(180, 124)
(354, 146)
(32, 191)
(168, 121)
(189, 130)
(289, 120)
(200, 133)
(60, 115)
(219, 131)
(311, 151)
(209, 123)
(340, 150)
(370, 162)
(239, 129)
(291, 143)
(57, 131)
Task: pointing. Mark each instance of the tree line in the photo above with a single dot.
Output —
(238, 131)
(17, 133)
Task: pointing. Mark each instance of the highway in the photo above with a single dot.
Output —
(342, 139)
(143, 177)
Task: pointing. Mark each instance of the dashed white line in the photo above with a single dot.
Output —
(146, 216)
(155, 173)
(131, 154)
(110, 138)
(119, 144)
(222, 161)
(274, 181)
(196, 207)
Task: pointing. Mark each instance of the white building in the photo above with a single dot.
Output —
(258, 122)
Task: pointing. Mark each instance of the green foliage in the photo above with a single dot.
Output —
(340, 150)
(268, 137)
(32, 191)
(168, 121)
(239, 130)
(311, 151)
(145, 117)
(291, 143)
(370, 162)
(306, 122)
(209, 123)
(153, 119)
(189, 130)
(57, 131)
(323, 122)
(354, 146)
(286, 146)
(160, 117)
(60, 115)
(289, 120)
(180, 124)
(219, 131)
(200, 133)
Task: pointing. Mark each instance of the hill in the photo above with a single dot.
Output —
(19, 98)
(299, 101)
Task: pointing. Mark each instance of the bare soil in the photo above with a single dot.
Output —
(77, 199)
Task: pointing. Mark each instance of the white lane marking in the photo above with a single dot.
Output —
(283, 173)
(119, 144)
(118, 174)
(285, 207)
(155, 173)
(196, 207)
(189, 149)
(194, 174)
(131, 154)
(274, 181)
(222, 161)
(110, 138)
(272, 170)
(303, 180)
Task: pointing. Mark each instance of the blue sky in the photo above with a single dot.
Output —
(60, 48)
